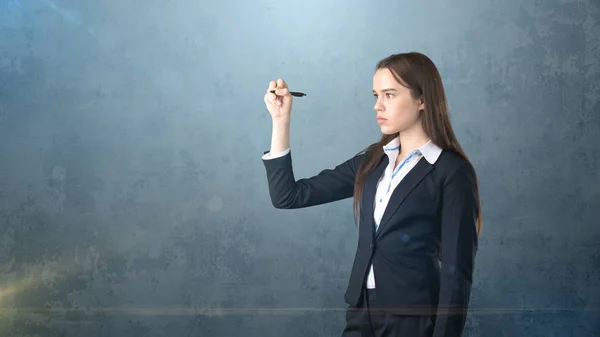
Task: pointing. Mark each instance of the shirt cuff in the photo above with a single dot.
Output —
(268, 155)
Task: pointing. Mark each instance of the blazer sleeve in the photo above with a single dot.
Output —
(329, 185)
(458, 249)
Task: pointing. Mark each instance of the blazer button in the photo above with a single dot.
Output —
(371, 246)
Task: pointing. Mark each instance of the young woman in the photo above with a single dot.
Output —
(416, 201)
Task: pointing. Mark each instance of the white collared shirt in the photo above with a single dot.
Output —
(389, 179)
(392, 176)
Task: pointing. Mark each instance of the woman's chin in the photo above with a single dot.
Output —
(386, 130)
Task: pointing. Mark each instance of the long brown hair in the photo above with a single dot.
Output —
(417, 72)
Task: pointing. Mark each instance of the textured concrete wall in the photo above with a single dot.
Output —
(133, 201)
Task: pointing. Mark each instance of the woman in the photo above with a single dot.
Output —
(416, 201)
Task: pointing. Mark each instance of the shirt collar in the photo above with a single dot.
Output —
(429, 150)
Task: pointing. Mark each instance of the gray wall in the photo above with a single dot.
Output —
(133, 201)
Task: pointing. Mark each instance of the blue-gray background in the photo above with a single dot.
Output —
(133, 201)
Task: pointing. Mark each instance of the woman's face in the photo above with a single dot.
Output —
(396, 109)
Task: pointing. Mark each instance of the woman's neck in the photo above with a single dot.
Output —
(411, 140)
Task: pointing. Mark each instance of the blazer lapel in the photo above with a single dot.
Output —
(406, 185)
(368, 200)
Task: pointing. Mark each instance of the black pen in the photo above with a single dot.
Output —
(293, 93)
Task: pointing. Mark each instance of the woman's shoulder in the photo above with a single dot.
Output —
(451, 161)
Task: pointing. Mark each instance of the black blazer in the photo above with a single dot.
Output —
(432, 214)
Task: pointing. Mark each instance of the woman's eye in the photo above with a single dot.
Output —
(389, 95)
